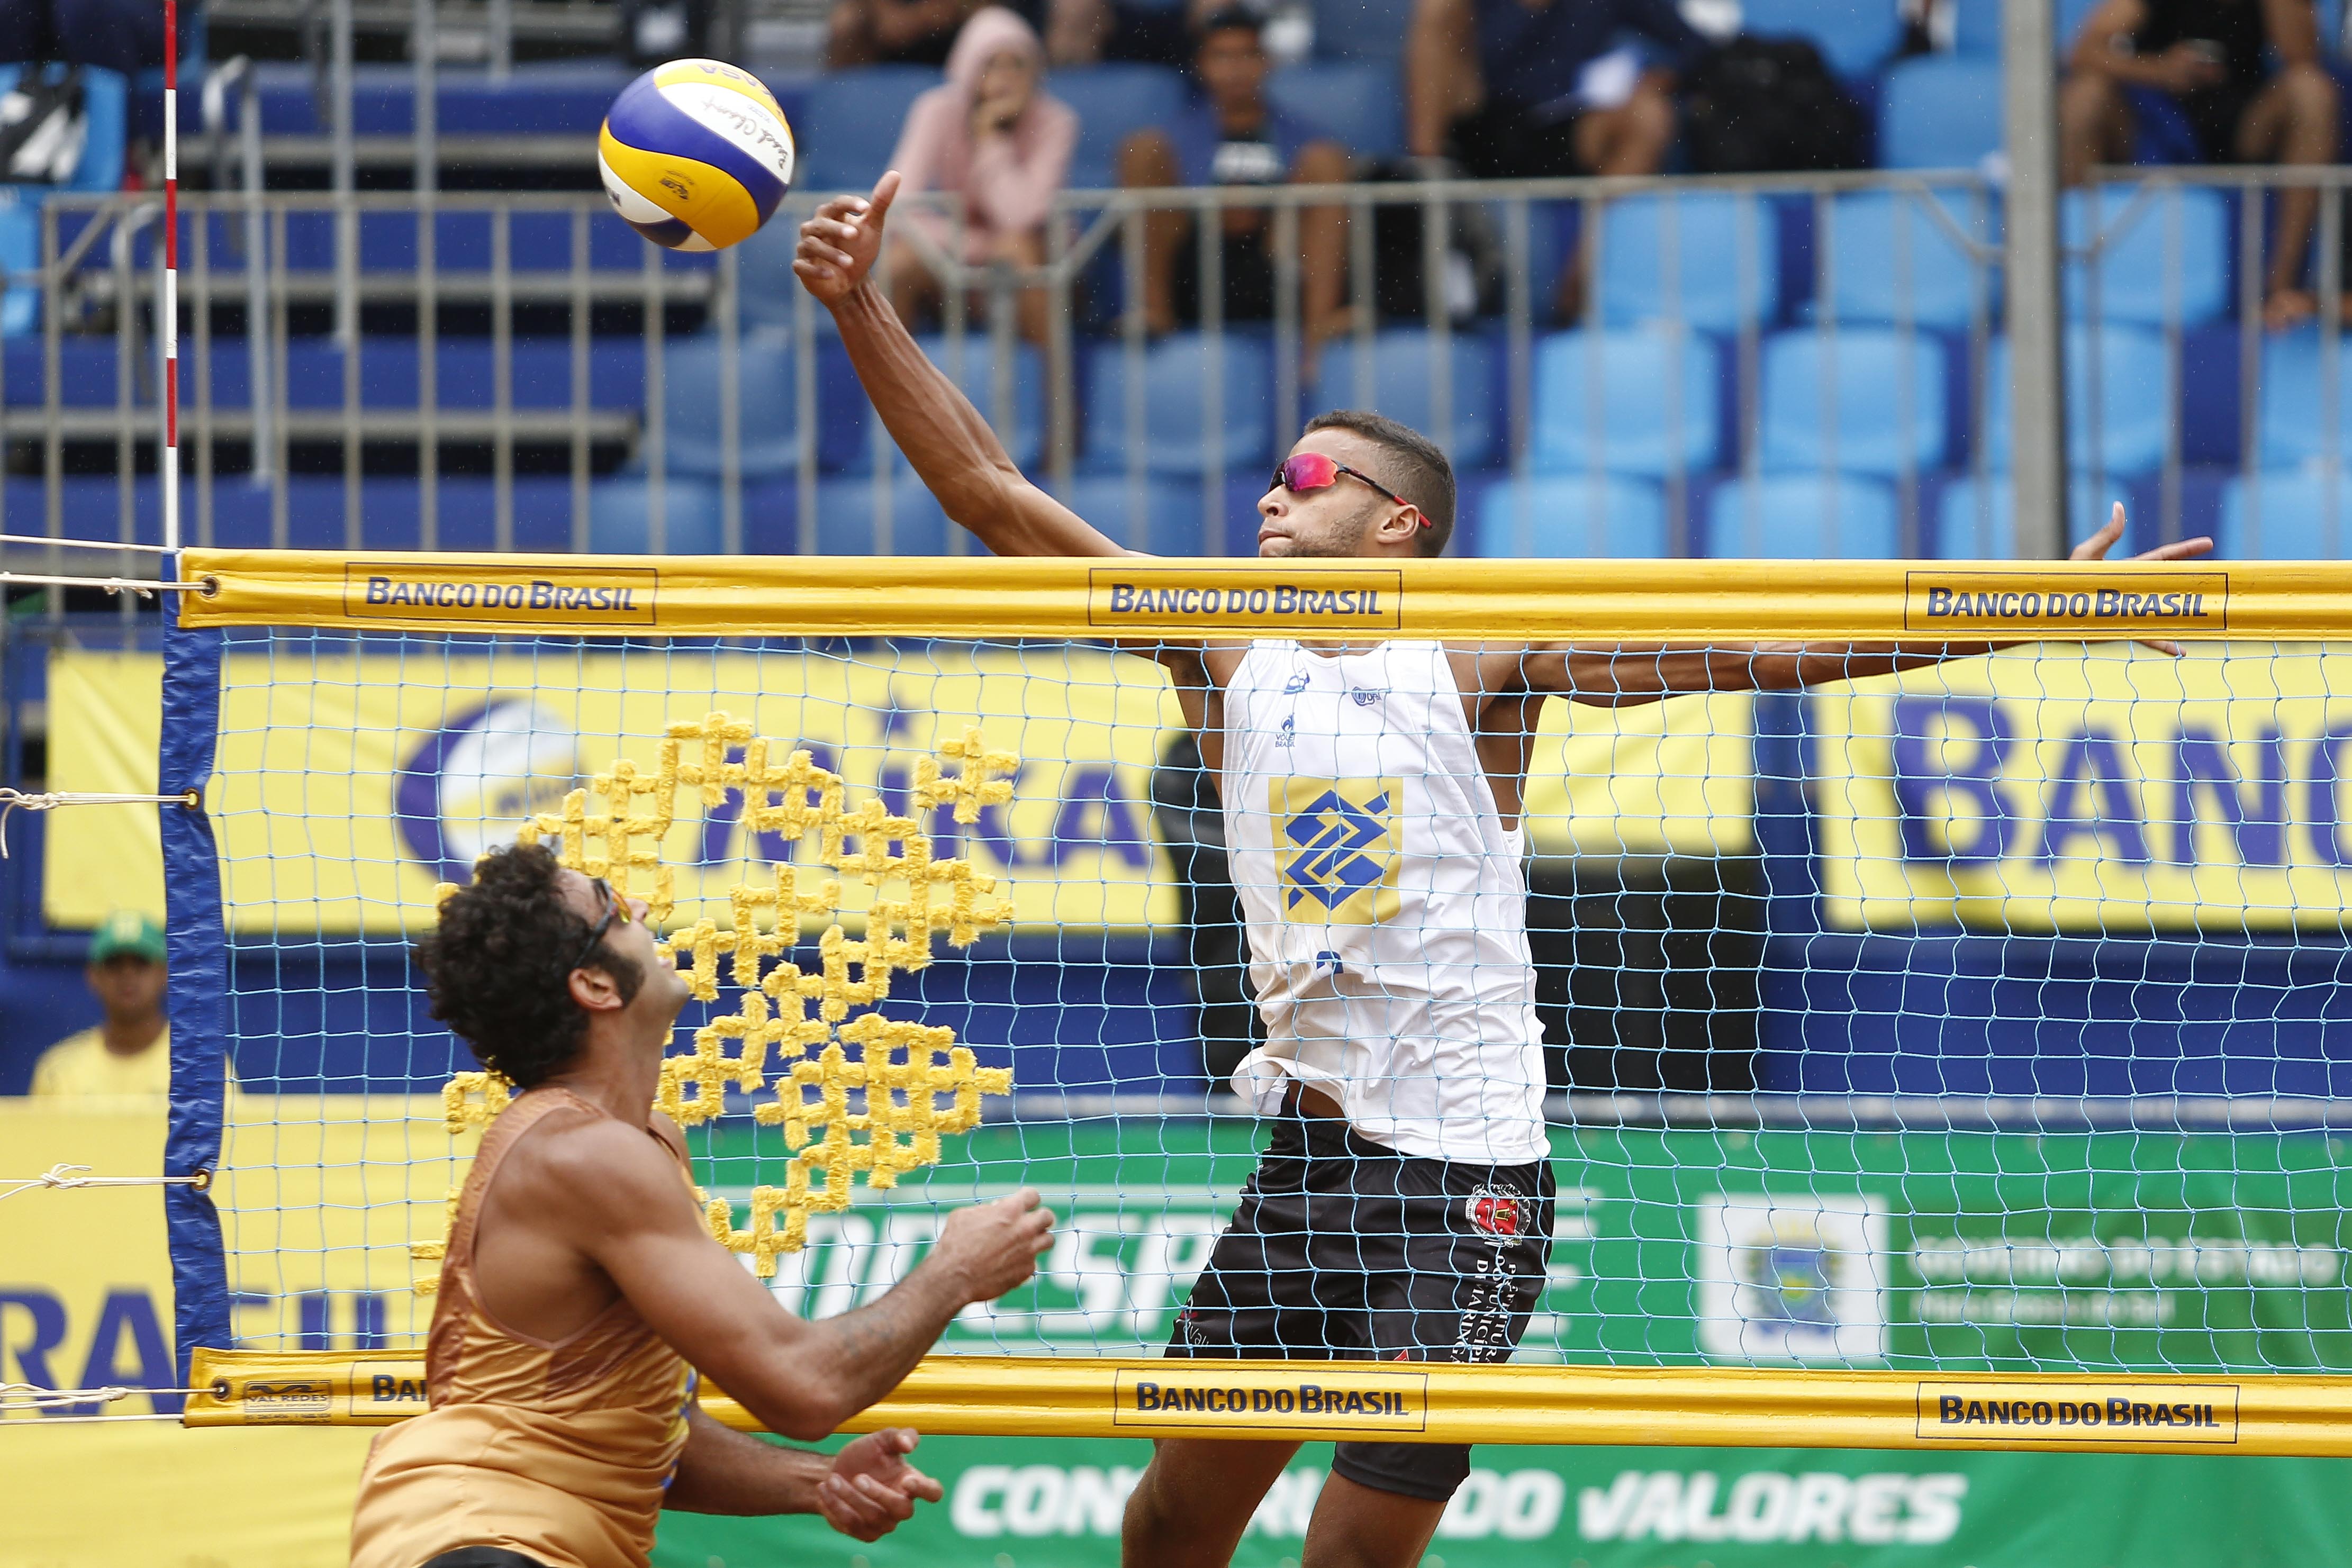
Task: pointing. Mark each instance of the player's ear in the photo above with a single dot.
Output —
(594, 991)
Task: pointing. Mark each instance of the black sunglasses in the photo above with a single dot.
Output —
(614, 910)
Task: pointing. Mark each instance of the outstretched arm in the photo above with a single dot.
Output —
(952, 449)
(1630, 677)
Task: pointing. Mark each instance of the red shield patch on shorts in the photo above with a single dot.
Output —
(1496, 1214)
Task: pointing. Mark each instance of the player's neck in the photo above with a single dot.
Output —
(616, 1071)
(129, 1037)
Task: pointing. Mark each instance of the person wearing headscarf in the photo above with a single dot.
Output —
(998, 146)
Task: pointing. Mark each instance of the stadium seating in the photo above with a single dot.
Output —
(1892, 259)
(620, 517)
(1633, 402)
(105, 103)
(1361, 29)
(1401, 363)
(845, 523)
(1113, 102)
(1980, 524)
(768, 424)
(1862, 401)
(1710, 261)
(1169, 512)
(1975, 30)
(1804, 517)
(2293, 416)
(1026, 441)
(1360, 104)
(2138, 398)
(849, 124)
(1939, 112)
(1854, 37)
(1599, 516)
(2174, 239)
(2285, 516)
(1173, 436)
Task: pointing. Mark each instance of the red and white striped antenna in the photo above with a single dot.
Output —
(167, 324)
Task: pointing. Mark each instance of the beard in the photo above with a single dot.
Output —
(1343, 541)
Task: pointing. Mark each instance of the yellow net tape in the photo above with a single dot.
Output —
(914, 1082)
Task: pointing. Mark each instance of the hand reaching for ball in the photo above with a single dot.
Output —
(839, 244)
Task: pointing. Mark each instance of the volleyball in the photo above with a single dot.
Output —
(696, 155)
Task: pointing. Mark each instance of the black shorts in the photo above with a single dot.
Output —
(1344, 1249)
(484, 1557)
(1501, 141)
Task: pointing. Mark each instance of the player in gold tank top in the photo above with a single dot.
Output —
(581, 1296)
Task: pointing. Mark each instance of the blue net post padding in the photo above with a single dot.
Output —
(197, 945)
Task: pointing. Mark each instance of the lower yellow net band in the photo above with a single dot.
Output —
(1432, 1402)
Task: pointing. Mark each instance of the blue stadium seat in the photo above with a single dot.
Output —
(1973, 524)
(1803, 517)
(2293, 431)
(2138, 400)
(1167, 512)
(1113, 102)
(1174, 432)
(2136, 271)
(767, 427)
(1602, 516)
(2286, 518)
(1711, 261)
(1885, 409)
(620, 516)
(1650, 402)
(1361, 29)
(1400, 363)
(105, 102)
(850, 125)
(845, 520)
(1893, 259)
(1939, 112)
(1853, 35)
(1360, 104)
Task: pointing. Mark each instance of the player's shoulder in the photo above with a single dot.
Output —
(589, 1154)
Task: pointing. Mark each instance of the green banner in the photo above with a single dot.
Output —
(1958, 1251)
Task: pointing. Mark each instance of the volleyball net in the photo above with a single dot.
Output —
(1938, 1059)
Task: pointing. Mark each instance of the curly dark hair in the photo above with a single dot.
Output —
(498, 968)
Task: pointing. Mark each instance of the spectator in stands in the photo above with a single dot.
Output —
(1502, 89)
(997, 143)
(1230, 135)
(2200, 68)
(130, 1052)
(1092, 32)
(904, 32)
(124, 36)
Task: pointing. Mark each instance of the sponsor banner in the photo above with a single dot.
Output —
(2112, 789)
(350, 785)
(1590, 602)
(588, 599)
(1178, 1400)
(2033, 1413)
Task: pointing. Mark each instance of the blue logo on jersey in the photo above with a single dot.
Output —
(1288, 733)
(1297, 685)
(1332, 834)
(1366, 699)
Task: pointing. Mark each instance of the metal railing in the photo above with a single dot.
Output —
(345, 277)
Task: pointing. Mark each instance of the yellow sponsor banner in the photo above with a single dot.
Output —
(1443, 1402)
(609, 597)
(1600, 602)
(2106, 789)
(350, 785)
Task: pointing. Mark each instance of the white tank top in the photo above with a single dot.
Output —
(1385, 902)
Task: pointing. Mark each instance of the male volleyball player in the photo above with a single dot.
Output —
(581, 1295)
(1371, 793)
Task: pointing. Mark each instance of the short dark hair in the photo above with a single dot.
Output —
(1226, 18)
(498, 968)
(1422, 475)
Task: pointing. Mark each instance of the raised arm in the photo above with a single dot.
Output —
(1630, 677)
(617, 1198)
(952, 449)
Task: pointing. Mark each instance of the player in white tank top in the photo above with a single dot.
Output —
(1385, 902)
(1366, 791)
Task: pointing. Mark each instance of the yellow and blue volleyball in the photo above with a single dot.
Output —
(696, 155)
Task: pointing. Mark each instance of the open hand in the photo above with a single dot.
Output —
(873, 1488)
(2096, 546)
(993, 1246)
(839, 244)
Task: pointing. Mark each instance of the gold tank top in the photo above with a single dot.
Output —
(560, 1450)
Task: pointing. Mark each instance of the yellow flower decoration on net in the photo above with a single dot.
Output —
(915, 1082)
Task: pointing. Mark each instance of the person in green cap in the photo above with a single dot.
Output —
(129, 1055)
